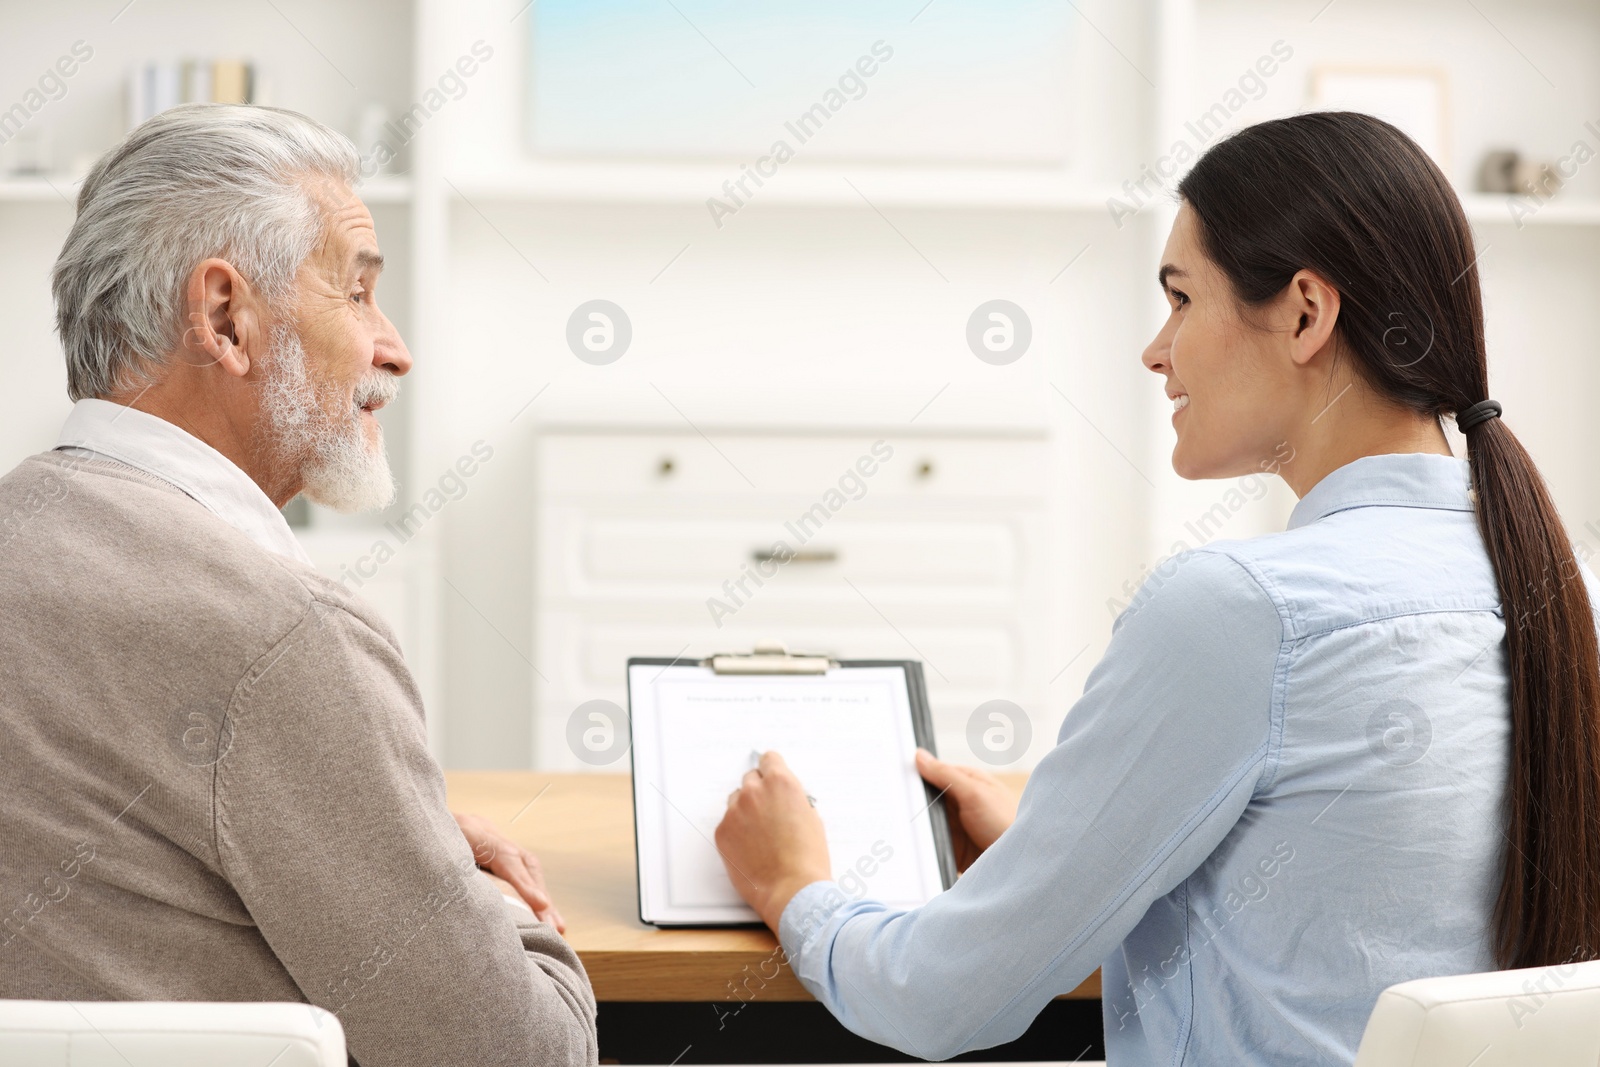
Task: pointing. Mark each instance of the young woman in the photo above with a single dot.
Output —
(1311, 764)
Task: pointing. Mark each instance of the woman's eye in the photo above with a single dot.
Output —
(1180, 299)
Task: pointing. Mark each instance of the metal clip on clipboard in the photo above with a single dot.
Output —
(769, 657)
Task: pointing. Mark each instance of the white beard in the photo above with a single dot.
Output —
(337, 466)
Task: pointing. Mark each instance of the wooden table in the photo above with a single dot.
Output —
(581, 828)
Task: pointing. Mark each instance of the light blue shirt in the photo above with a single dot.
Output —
(1280, 793)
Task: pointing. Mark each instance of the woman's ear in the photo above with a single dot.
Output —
(224, 324)
(1313, 310)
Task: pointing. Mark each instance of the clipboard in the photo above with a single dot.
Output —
(851, 723)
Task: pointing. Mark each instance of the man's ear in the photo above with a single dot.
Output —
(1312, 307)
(224, 320)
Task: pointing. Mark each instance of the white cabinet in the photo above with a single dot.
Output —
(667, 544)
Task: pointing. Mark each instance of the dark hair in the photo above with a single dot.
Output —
(1352, 199)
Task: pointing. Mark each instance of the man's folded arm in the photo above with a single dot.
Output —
(332, 827)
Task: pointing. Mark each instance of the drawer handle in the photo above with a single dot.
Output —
(813, 555)
(925, 469)
(665, 468)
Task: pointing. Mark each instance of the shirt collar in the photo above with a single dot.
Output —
(1404, 480)
(158, 447)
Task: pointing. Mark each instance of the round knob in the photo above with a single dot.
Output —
(925, 469)
(665, 468)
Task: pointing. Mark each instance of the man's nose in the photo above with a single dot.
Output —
(390, 353)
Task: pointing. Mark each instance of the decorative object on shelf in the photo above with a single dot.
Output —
(1506, 171)
(155, 86)
(1497, 172)
(1416, 99)
(27, 152)
(1531, 177)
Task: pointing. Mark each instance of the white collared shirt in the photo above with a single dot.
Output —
(99, 428)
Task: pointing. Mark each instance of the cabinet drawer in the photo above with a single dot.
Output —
(646, 466)
(695, 557)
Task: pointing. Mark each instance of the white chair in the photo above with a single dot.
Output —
(59, 1033)
(1539, 1017)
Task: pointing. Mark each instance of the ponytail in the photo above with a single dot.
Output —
(1548, 910)
(1355, 200)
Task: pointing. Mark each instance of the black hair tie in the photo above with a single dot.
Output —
(1477, 414)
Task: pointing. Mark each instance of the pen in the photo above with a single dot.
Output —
(755, 765)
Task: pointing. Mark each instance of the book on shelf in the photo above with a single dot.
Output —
(155, 86)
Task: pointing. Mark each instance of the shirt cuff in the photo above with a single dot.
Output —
(807, 912)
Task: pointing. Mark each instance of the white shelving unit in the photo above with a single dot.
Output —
(997, 190)
(835, 303)
(63, 189)
(1557, 210)
(42, 189)
(653, 182)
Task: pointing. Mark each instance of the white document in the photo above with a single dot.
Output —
(848, 734)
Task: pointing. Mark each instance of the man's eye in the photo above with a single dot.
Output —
(359, 296)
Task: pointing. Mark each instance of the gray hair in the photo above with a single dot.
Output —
(196, 181)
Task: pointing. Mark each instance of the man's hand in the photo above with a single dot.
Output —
(499, 855)
(982, 806)
(771, 839)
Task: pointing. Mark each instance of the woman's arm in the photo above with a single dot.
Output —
(1154, 765)
(778, 837)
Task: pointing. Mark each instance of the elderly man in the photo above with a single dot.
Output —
(214, 764)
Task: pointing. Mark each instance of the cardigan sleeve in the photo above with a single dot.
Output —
(332, 827)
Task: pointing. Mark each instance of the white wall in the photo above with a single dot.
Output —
(808, 310)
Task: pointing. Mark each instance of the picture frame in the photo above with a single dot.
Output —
(1414, 98)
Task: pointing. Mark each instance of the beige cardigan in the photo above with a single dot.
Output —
(216, 786)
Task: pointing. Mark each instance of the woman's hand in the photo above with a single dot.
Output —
(771, 839)
(499, 855)
(982, 806)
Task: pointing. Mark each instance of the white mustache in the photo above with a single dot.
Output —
(379, 385)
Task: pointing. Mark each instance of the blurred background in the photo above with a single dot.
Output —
(812, 322)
